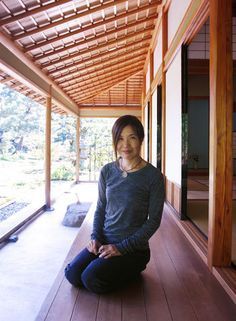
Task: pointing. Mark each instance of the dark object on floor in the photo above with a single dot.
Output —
(12, 239)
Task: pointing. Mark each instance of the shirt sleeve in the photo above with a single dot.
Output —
(140, 238)
(99, 215)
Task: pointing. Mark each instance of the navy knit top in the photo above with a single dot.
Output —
(129, 209)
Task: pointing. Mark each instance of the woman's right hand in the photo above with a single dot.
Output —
(93, 246)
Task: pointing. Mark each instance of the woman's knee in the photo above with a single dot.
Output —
(93, 282)
(72, 276)
(75, 268)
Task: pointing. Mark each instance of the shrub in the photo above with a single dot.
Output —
(63, 173)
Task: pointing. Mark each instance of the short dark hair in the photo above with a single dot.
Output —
(121, 123)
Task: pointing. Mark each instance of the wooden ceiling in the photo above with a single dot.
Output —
(94, 50)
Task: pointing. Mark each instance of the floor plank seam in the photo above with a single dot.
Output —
(72, 312)
(98, 303)
(163, 288)
(187, 295)
(53, 299)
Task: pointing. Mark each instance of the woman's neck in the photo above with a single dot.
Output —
(131, 164)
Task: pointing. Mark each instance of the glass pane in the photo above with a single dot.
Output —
(22, 143)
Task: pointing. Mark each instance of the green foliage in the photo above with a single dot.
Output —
(95, 143)
(64, 173)
(21, 121)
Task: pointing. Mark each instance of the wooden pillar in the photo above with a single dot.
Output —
(143, 109)
(220, 158)
(150, 108)
(163, 94)
(48, 153)
(77, 148)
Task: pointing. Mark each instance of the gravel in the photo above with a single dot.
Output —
(11, 209)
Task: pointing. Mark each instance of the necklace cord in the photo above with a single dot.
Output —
(128, 170)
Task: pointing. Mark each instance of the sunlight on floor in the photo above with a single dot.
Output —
(30, 265)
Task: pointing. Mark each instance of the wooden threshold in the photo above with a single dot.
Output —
(17, 221)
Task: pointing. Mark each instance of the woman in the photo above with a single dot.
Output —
(129, 211)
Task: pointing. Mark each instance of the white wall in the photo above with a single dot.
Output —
(176, 13)
(173, 120)
(154, 128)
(157, 55)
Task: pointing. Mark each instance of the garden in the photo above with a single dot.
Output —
(22, 148)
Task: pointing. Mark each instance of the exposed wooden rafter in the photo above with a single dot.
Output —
(80, 29)
(140, 43)
(78, 47)
(139, 52)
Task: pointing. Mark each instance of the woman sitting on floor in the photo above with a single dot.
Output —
(129, 211)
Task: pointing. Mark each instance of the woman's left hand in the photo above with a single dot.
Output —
(107, 251)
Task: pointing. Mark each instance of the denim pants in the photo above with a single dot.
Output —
(101, 275)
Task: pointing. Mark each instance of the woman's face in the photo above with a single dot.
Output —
(129, 145)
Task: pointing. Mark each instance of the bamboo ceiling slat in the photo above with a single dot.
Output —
(94, 50)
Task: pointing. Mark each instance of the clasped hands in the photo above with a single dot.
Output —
(104, 251)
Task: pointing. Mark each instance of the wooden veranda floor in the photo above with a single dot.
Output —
(176, 286)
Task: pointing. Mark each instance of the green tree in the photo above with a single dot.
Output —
(20, 118)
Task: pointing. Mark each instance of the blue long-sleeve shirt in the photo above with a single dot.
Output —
(129, 209)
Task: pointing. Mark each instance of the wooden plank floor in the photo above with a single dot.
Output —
(176, 286)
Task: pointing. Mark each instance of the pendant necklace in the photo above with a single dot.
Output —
(125, 172)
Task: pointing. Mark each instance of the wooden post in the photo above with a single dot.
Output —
(220, 158)
(48, 153)
(150, 109)
(77, 149)
(143, 110)
(163, 94)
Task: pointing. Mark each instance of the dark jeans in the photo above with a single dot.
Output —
(101, 275)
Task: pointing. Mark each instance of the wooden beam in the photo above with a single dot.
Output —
(109, 106)
(88, 60)
(150, 102)
(107, 68)
(95, 38)
(114, 42)
(28, 13)
(126, 91)
(100, 81)
(107, 112)
(163, 86)
(220, 158)
(81, 29)
(21, 68)
(58, 3)
(116, 82)
(77, 162)
(48, 152)
(100, 65)
(114, 77)
(195, 8)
